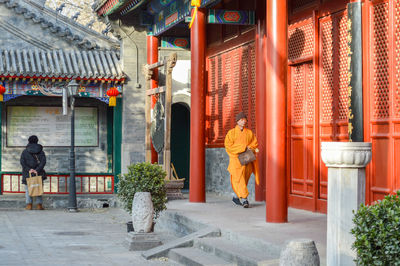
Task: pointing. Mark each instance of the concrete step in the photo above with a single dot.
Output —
(195, 257)
(52, 201)
(236, 252)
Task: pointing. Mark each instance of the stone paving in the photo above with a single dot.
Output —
(57, 237)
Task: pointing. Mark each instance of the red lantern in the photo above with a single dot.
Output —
(2, 91)
(112, 93)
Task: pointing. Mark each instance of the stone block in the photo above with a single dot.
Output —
(141, 241)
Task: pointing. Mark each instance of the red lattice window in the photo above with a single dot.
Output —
(231, 89)
(301, 40)
(298, 94)
(300, 4)
(343, 68)
(397, 57)
(327, 71)
(310, 93)
(380, 61)
(334, 74)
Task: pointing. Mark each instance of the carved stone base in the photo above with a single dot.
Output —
(141, 241)
(174, 188)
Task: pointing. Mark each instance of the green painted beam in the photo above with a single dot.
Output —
(1, 121)
(117, 140)
(110, 132)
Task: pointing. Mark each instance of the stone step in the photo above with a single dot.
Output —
(236, 252)
(195, 257)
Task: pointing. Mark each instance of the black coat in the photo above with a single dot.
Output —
(33, 157)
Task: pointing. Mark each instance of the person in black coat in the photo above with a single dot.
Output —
(33, 161)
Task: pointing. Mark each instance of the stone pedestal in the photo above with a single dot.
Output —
(346, 162)
(141, 241)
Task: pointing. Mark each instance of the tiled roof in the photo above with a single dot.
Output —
(77, 64)
(58, 24)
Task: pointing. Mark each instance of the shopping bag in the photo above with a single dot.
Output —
(35, 185)
(246, 157)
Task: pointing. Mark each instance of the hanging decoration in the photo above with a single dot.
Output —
(196, 4)
(2, 91)
(112, 93)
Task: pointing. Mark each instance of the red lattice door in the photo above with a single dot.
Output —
(316, 114)
(333, 89)
(382, 105)
(302, 138)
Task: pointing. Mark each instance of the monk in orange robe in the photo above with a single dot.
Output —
(237, 141)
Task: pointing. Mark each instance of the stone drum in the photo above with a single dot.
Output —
(300, 252)
(142, 212)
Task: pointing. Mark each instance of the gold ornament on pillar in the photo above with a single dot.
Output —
(196, 4)
(112, 93)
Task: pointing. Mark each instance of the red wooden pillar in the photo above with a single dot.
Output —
(152, 57)
(276, 76)
(197, 110)
(260, 99)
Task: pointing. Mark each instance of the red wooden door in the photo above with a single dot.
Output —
(302, 138)
(333, 90)
(317, 110)
(382, 96)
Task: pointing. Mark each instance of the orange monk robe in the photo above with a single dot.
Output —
(236, 141)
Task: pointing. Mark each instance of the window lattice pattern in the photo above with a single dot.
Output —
(252, 108)
(298, 4)
(396, 90)
(327, 71)
(343, 69)
(380, 61)
(298, 94)
(310, 93)
(231, 89)
(301, 42)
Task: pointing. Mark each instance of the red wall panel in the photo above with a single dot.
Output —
(231, 89)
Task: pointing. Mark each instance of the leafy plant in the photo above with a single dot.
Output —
(377, 232)
(143, 177)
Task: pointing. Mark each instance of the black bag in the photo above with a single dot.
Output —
(246, 157)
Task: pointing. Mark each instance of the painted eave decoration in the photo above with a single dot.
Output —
(109, 7)
(237, 17)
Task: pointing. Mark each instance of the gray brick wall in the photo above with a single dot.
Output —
(134, 56)
(88, 159)
(217, 175)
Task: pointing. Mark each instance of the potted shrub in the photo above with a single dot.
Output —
(377, 232)
(143, 177)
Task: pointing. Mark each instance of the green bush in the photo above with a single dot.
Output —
(143, 177)
(377, 232)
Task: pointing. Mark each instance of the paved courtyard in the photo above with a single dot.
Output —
(57, 237)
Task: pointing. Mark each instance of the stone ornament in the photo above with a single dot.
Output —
(299, 252)
(142, 212)
(346, 154)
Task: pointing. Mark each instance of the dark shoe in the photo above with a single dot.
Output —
(28, 206)
(245, 204)
(39, 207)
(236, 201)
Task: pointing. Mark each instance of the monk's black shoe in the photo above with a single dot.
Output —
(236, 201)
(245, 204)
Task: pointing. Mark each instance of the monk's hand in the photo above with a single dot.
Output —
(256, 150)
